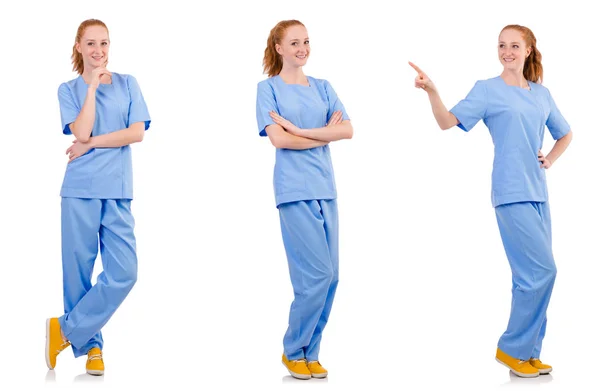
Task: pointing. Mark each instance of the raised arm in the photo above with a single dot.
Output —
(84, 124)
(444, 118)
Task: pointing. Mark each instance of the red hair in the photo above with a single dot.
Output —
(76, 57)
(533, 70)
(272, 61)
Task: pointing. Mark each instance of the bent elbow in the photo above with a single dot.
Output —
(277, 142)
(350, 134)
(140, 136)
(83, 139)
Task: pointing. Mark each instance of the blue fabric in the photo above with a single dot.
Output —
(516, 118)
(310, 238)
(103, 173)
(526, 233)
(300, 174)
(85, 224)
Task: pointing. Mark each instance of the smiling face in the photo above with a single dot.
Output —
(93, 46)
(512, 50)
(294, 47)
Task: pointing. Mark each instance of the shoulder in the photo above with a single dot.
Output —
(318, 82)
(490, 82)
(539, 88)
(123, 78)
(267, 85)
(68, 85)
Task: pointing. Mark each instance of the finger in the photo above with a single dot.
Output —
(336, 117)
(416, 68)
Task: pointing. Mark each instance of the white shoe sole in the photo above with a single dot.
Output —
(520, 374)
(48, 344)
(94, 372)
(319, 375)
(545, 371)
(296, 375)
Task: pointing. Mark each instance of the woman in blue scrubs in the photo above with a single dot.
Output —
(516, 108)
(106, 112)
(301, 115)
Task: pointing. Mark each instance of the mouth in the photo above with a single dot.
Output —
(98, 58)
(508, 59)
(301, 57)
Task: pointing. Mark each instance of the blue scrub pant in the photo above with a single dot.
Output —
(525, 228)
(310, 237)
(85, 224)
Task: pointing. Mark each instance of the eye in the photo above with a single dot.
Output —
(104, 43)
(90, 44)
(306, 42)
(501, 46)
(294, 43)
(515, 46)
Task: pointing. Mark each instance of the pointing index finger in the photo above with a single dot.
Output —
(416, 68)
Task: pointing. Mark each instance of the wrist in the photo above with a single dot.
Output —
(92, 142)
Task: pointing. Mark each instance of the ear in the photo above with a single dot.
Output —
(528, 51)
(78, 47)
(278, 49)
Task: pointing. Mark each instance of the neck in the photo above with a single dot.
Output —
(293, 75)
(514, 78)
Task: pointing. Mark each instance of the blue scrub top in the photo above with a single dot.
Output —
(103, 173)
(516, 118)
(300, 174)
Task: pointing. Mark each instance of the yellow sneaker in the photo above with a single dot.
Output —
(296, 368)
(317, 370)
(520, 368)
(54, 342)
(95, 365)
(544, 369)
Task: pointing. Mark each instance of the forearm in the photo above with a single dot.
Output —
(287, 140)
(328, 133)
(120, 138)
(559, 147)
(84, 124)
(444, 118)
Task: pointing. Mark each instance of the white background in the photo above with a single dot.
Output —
(425, 286)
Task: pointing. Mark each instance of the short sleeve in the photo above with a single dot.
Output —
(68, 109)
(471, 109)
(265, 103)
(138, 111)
(335, 104)
(556, 123)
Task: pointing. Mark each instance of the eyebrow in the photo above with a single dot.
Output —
(296, 39)
(510, 42)
(102, 40)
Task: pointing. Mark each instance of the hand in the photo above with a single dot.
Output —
(284, 123)
(545, 162)
(97, 75)
(78, 149)
(336, 118)
(422, 80)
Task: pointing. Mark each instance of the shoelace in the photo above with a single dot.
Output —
(95, 357)
(62, 346)
(300, 360)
